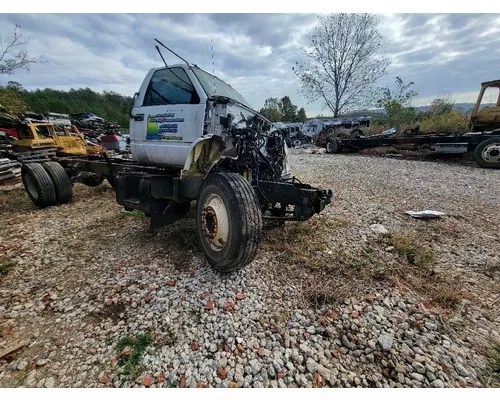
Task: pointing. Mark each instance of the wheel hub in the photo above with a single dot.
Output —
(209, 222)
(491, 153)
(215, 222)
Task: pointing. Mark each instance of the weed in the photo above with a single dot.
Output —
(135, 214)
(131, 349)
(406, 247)
(494, 361)
(20, 377)
(450, 122)
(5, 267)
(167, 337)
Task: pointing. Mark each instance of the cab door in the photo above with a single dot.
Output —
(168, 117)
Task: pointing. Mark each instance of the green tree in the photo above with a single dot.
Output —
(301, 115)
(287, 109)
(108, 105)
(441, 105)
(396, 103)
(15, 86)
(11, 102)
(271, 110)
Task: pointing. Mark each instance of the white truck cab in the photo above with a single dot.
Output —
(175, 110)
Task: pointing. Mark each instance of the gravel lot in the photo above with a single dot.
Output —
(329, 302)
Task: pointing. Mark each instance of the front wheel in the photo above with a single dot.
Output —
(487, 153)
(229, 221)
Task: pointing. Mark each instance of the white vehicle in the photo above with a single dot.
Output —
(314, 126)
(194, 138)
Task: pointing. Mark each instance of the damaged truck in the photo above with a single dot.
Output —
(194, 138)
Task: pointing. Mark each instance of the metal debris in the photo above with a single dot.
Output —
(426, 214)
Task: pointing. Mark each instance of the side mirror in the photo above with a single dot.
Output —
(132, 105)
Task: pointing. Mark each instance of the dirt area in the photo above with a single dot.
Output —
(334, 301)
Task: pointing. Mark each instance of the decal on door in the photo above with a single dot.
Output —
(161, 127)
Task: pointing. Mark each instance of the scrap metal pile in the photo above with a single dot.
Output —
(93, 127)
(10, 171)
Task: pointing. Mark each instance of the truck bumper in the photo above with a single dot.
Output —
(304, 199)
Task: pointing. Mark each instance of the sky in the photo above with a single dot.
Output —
(254, 53)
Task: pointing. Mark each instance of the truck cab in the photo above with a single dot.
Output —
(178, 111)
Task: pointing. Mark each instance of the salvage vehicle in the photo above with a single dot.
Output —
(483, 138)
(194, 138)
(47, 135)
(486, 118)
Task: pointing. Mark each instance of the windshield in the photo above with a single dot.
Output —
(219, 88)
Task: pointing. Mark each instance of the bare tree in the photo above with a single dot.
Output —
(344, 61)
(13, 55)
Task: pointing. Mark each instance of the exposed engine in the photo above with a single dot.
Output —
(258, 148)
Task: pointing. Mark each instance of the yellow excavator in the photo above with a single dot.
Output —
(486, 118)
(53, 134)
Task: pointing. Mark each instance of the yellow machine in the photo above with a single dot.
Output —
(45, 135)
(486, 118)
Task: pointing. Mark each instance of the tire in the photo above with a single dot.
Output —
(297, 142)
(38, 184)
(229, 221)
(487, 153)
(332, 146)
(62, 183)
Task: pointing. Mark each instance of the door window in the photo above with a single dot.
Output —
(170, 86)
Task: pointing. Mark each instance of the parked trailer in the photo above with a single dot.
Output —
(486, 146)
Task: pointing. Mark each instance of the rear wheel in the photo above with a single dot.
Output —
(38, 184)
(62, 183)
(229, 221)
(332, 145)
(487, 153)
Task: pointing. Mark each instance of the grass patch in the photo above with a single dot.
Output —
(134, 214)
(406, 247)
(14, 201)
(5, 267)
(131, 350)
(494, 362)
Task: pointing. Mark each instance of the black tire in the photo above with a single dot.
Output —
(241, 213)
(38, 184)
(487, 153)
(62, 183)
(332, 146)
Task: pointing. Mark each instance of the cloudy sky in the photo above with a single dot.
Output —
(253, 52)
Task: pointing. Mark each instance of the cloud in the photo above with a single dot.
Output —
(253, 52)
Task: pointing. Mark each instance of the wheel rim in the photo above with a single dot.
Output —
(30, 186)
(297, 143)
(329, 147)
(215, 222)
(491, 153)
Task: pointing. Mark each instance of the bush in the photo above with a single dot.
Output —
(375, 128)
(449, 122)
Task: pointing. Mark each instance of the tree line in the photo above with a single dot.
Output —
(340, 67)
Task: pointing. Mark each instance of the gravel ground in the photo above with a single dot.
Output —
(329, 302)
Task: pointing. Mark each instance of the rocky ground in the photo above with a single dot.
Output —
(361, 296)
